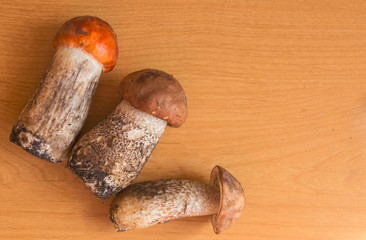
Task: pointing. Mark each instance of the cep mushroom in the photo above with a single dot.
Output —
(52, 119)
(111, 155)
(145, 204)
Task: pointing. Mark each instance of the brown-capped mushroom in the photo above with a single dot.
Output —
(145, 204)
(111, 155)
(50, 122)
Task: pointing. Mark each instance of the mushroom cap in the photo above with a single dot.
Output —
(231, 199)
(93, 35)
(156, 93)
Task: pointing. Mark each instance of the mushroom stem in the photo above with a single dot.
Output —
(111, 155)
(148, 203)
(53, 117)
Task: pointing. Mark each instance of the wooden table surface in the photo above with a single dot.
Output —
(276, 94)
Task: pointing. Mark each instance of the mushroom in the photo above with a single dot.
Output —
(111, 155)
(52, 119)
(148, 203)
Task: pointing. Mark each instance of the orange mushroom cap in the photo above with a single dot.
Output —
(93, 35)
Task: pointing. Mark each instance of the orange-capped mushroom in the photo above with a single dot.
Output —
(52, 119)
(94, 36)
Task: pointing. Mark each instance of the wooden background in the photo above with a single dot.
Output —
(276, 93)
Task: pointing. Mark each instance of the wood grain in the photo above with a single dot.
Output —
(276, 94)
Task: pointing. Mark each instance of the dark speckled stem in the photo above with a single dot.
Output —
(148, 203)
(53, 117)
(111, 155)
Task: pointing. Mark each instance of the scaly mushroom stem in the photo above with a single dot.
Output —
(148, 203)
(53, 117)
(111, 155)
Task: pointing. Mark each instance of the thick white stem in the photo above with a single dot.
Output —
(111, 155)
(53, 117)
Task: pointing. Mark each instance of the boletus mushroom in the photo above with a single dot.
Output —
(148, 203)
(111, 155)
(53, 117)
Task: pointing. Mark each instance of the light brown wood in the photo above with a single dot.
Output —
(276, 94)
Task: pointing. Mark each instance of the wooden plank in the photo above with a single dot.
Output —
(276, 94)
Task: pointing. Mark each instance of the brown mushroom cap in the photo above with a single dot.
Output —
(231, 199)
(157, 93)
(93, 35)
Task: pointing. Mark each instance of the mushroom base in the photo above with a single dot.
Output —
(111, 155)
(53, 117)
(145, 204)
